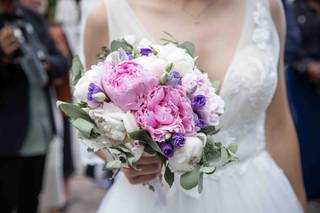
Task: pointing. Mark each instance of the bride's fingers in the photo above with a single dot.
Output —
(143, 179)
(143, 170)
(147, 160)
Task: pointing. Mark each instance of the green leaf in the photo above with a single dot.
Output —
(142, 135)
(210, 130)
(169, 176)
(116, 45)
(169, 67)
(208, 170)
(73, 111)
(200, 185)
(77, 70)
(224, 155)
(188, 46)
(86, 128)
(233, 148)
(105, 51)
(111, 165)
(190, 180)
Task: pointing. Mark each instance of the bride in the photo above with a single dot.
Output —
(241, 43)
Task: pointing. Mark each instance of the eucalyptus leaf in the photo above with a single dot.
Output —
(210, 130)
(224, 155)
(142, 135)
(169, 176)
(116, 45)
(189, 180)
(77, 70)
(215, 84)
(200, 185)
(208, 170)
(111, 165)
(85, 127)
(73, 111)
(188, 46)
(233, 148)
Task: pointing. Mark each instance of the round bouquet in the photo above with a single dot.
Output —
(148, 98)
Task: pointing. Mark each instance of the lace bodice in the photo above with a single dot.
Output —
(250, 81)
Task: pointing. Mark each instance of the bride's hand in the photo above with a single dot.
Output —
(149, 168)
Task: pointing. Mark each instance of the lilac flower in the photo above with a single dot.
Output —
(201, 123)
(198, 102)
(178, 140)
(167, 149)
(92, 90)
(174, 78)
(130, 56)
(145, 51)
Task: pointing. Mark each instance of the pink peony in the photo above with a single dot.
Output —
(166, 110)
(126, 83)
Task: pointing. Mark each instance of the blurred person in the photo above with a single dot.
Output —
(248, 58)
(61, 85)
(303, 86)
(29, 63)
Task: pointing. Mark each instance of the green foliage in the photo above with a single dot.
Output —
(105, 51)
(86, 128)
(188, 46)
(189, 180)
(210, 130)
(169, 176)
(73, 111)
(143, 136)
(77, 70)
(112, 165)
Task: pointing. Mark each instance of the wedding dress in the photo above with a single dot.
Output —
(255, 184)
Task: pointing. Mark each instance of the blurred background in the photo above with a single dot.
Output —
(43, 157)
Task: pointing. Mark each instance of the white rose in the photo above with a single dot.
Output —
(91, 76)
(182, 62)
(186, 158)
(109, 121)
(155, 65)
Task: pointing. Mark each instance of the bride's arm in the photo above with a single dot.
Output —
(281, 136)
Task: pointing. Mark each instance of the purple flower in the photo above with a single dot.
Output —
(198, 102)
(167, 149)
(178, 140)
(93, 89)
(130, 56)
(201, 123)
(174, 78)
(145, 51)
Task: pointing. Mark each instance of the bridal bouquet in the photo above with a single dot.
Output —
(149, 98)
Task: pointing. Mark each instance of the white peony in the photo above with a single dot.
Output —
(182, 62)
(112, 122)
(186, 158)
(155, 65)
(91, 76)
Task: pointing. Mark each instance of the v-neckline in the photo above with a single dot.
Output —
(223, 81)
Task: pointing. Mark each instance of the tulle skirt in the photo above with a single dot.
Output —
(256, 185)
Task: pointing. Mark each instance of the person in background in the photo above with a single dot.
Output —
(303, 87)
(29, 64)
(61, 85)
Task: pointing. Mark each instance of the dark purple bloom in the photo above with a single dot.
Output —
(178, 140)
(167, 149)
(174, 78)
(198, 102)
(145, 51)
(201, 123)
(93, 89)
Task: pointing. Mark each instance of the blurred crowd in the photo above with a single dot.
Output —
(38, 155)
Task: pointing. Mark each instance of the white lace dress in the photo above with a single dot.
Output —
(253, 185)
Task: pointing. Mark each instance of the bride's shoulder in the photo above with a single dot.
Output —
(97, 18)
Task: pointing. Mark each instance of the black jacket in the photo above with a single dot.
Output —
(14, 86)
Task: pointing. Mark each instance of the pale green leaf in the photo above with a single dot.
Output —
(84, 127)
(190, 180)
(111, 165)
(77, 70)
(73, 111)
(188, 46)
(233, 147)
(200, 185)
(208, 170)
(142, 135)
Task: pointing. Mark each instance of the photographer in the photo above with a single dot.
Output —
(29, 63)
